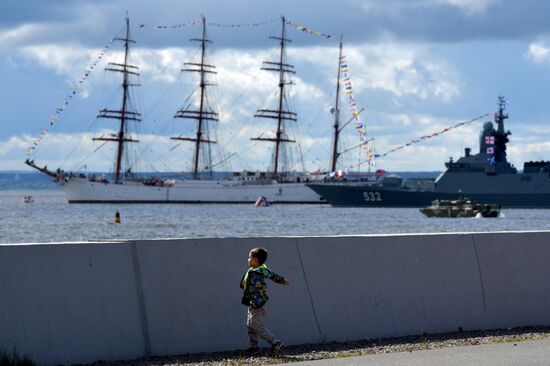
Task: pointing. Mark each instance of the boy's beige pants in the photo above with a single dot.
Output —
(256, 327)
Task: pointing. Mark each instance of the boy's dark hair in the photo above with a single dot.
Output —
(260, 254)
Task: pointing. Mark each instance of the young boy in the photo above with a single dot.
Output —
(255, 298)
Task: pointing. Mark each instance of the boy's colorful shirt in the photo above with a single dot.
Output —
(255, 288)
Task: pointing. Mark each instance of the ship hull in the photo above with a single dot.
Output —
(347, 195)
(81, 190)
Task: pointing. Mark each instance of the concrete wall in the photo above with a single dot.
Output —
(69, 303)
(82, 302)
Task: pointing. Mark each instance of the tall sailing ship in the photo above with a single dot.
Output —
(276, 185)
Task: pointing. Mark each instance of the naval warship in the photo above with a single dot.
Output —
(485, 177)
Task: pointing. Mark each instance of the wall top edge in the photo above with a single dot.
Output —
(115, 241)
(109, 241)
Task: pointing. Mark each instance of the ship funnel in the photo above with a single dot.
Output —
(467, 151)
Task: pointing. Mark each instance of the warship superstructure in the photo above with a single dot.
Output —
(485, 177)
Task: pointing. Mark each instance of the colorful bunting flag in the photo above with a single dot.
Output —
(255, 24)
(425, 137)
(308, 30)
(199, 21)
(54, 118)
(360, 126)
(174, 26)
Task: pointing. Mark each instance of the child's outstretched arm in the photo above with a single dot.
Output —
(277, 278)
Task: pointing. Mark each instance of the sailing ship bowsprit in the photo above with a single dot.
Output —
(277, 186)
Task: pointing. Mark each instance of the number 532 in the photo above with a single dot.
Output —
(372, 196)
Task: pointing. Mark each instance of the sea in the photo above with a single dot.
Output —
(49, 218)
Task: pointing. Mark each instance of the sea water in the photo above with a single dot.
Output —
(51, 219)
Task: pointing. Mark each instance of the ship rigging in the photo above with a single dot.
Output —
(203, 114)
(127, 187)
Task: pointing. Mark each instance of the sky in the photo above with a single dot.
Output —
(416, 68)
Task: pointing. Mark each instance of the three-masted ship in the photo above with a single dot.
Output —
(277, 185)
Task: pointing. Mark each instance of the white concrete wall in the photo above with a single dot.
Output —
(516, 278)
(69, 303)
(81, 302)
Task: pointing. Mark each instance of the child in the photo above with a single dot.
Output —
(255, 298)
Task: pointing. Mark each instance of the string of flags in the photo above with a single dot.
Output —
(199, 21)
(256, 24)
(61, 108)
(296, 26)
(173, 26)
(301, 28)
(426, 137)
(359, 125)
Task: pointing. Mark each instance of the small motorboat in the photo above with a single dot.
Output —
(462, 207)
(28, 199)
(262, 202)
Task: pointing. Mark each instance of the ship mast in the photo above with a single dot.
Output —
(336, 126)
(202, 115)
(123, 114)
(501, 116)
(279, 114)
(501, 136)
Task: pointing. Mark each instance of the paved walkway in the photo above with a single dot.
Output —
(517, 354)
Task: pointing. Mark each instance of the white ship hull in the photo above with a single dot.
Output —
(81, 190)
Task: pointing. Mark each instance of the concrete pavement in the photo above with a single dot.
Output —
(524, 353)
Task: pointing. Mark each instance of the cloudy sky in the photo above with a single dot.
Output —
(416, 67)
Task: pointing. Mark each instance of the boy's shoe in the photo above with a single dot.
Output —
(277, 348)
(253, 351)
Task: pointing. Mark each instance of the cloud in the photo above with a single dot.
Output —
(469, 7)
(394, 7)
(17, 35)
(67, 60)
(535, 151)
(14, 143)
(538, 52)
(401, 69)
(75, 22)
(405, 70)
(401, 119)
(94, 22)
(159, 64)
(411, 76)
(159, 153)
(241, 87)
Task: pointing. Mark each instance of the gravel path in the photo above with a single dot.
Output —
(329, 350)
